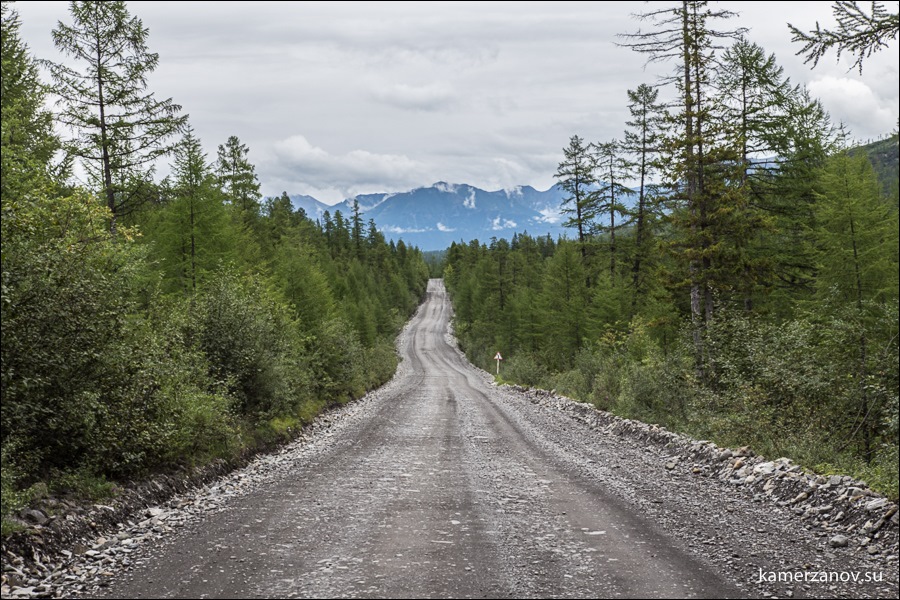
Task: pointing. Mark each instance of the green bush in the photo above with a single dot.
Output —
(69, 335)
(524, 368)
(251, 344)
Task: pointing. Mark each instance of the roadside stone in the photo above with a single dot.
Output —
(766, 468)
(839, 541)
(34, 516)
(23, 592)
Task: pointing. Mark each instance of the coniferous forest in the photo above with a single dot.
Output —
(743, 287)
(155, 323)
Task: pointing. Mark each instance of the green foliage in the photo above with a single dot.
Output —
(237, 177)
(190, 232)
(858, 32)
(577, 177)
(246, 337)
(858, 233)
(26, 138)
(208, 328)
(64, 321)
(792, 387)
(817, 383)
(885, 159)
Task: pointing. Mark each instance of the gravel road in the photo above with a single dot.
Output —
(441, 484)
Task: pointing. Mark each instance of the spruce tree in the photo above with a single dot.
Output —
(237, 178)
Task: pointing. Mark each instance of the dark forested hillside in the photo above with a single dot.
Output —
(150, 324)
(885, 157)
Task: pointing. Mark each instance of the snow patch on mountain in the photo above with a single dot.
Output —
(469, 202)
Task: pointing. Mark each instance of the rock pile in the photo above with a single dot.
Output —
(845, 511)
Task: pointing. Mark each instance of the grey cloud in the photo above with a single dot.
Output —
(430, 97)
(299, 163)
(389, 96)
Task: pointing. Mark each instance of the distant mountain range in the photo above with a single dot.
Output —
(433, 217)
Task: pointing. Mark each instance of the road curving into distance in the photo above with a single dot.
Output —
(441, 484)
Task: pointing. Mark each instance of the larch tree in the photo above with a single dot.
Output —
(120, 127)
(684, 33)
(612, 168)
(642, 140)
(195, 225)
(858, 240)
(576, 175)
(858, 32)
(753, 99)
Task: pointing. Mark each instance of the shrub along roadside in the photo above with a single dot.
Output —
(785, 390)
(108, 378)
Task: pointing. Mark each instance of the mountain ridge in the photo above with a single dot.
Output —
(432, 217)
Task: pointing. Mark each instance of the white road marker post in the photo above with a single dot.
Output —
(498, 358)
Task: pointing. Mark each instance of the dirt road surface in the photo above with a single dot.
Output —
(441, 484)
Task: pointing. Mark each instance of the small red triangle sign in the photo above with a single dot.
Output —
(498, 357)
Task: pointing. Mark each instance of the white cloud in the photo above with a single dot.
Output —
(444, 228)
(402, 230)
(300, 164)
(500, 223)
(393, 96)
(856, 104)
(447, 188)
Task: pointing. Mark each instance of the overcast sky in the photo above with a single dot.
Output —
(336, 99)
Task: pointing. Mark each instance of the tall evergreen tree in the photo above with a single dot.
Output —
(192, 230)
(357, 229)
(613, 169)
(792, 192)
(858, 262)
(685, 33)
(237, 178)
(576, 175)
(642, 142)
(753, 96)
(564, 300)
(857, 234)
(120, 127)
